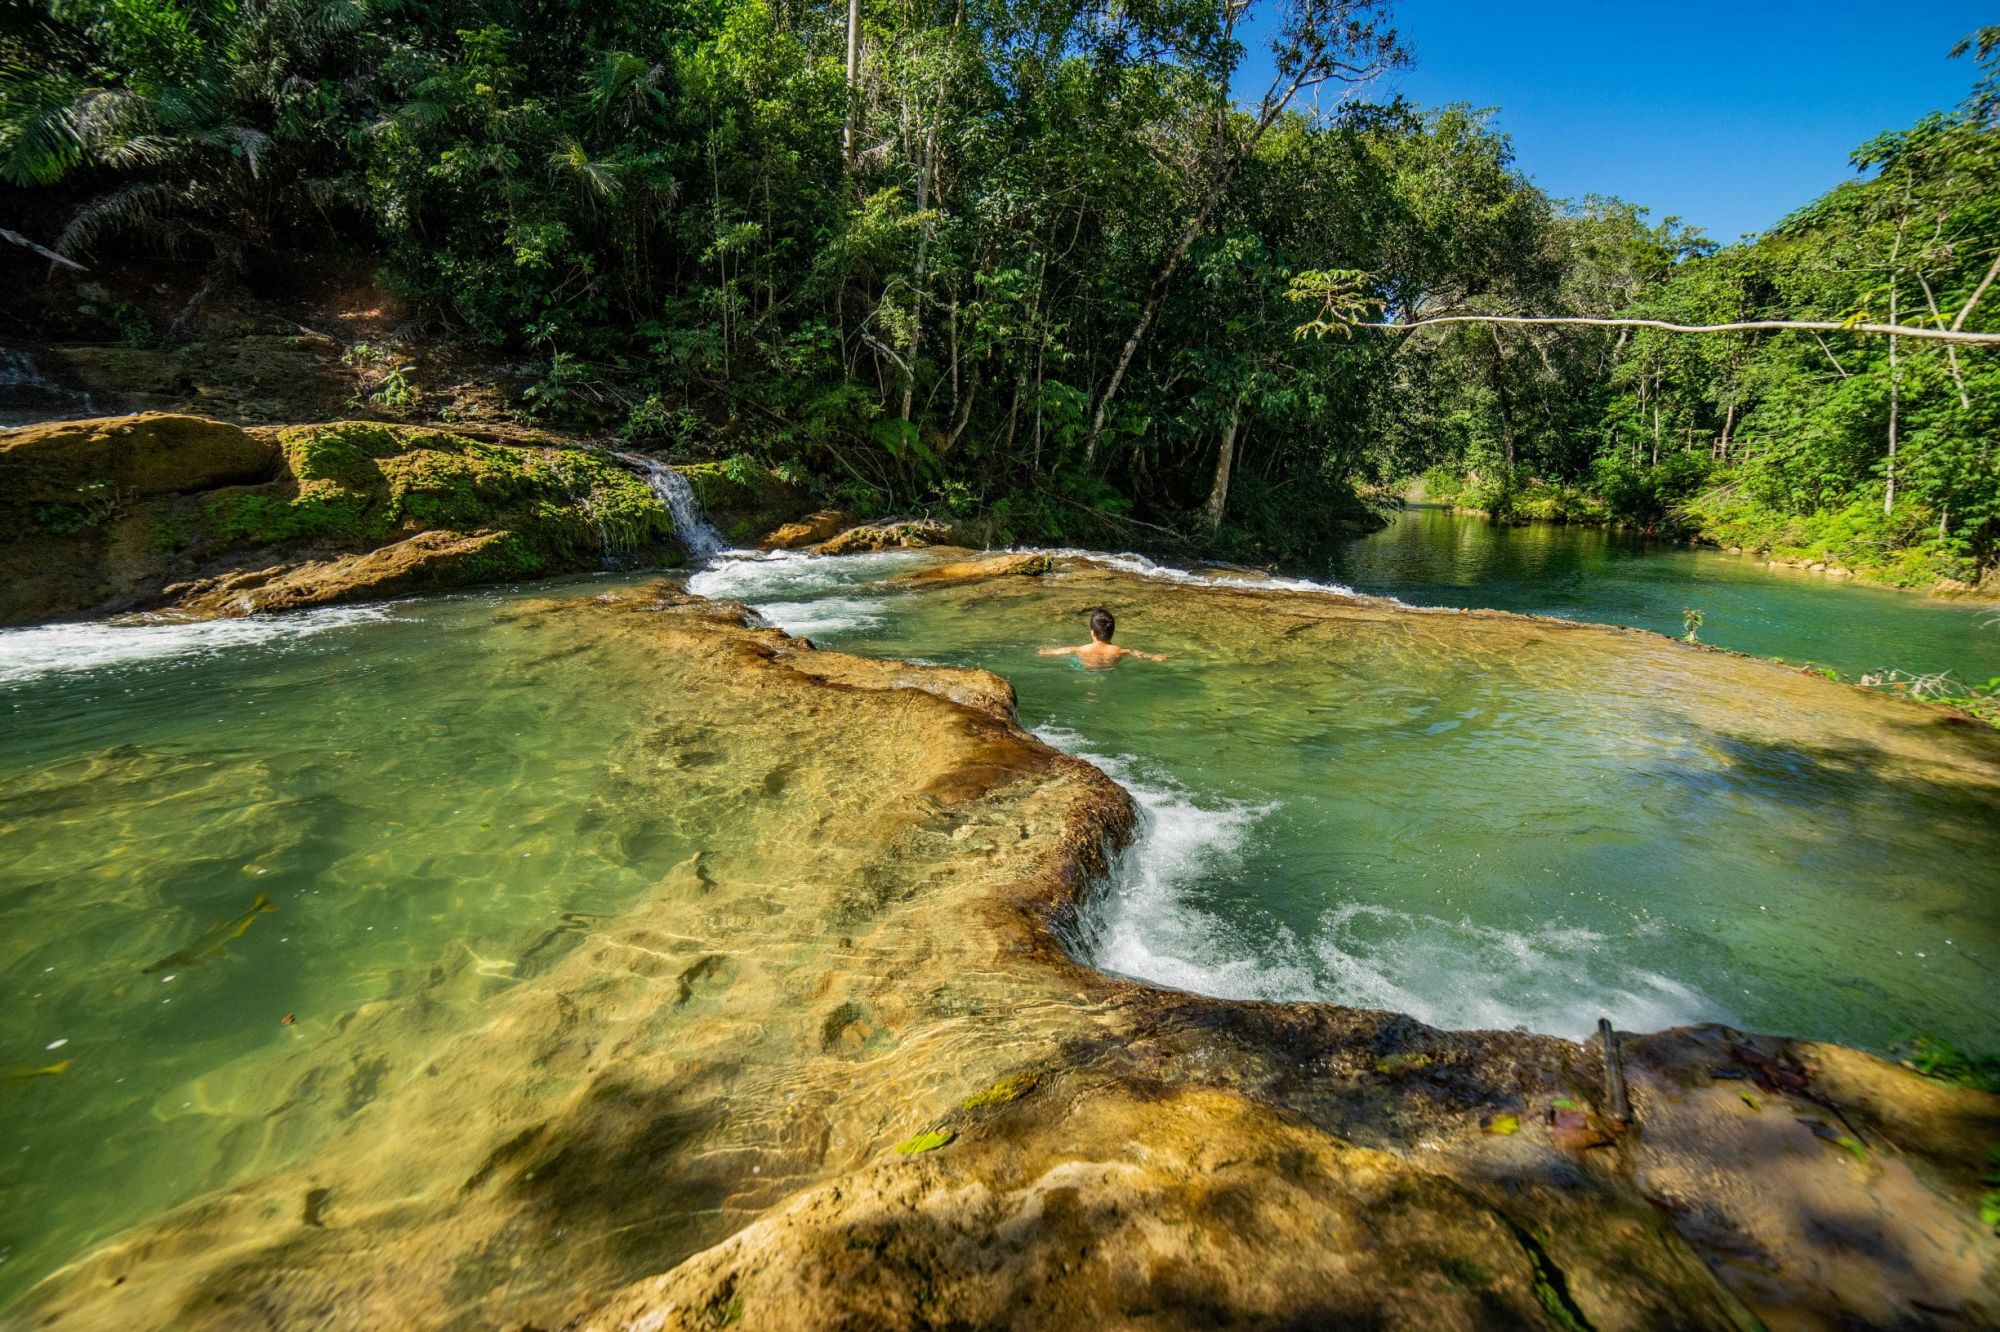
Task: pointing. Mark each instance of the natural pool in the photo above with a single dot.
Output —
(1483, 821)
(1480, 821)
(427, 792)
(1429, 556)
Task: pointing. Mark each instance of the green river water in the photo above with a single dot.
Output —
(1476, 838)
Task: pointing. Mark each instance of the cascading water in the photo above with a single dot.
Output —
(28, 396)
(672, 489)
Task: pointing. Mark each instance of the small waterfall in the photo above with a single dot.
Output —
(695, 533)
(28, 396)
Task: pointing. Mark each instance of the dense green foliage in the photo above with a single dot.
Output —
(1049, 281)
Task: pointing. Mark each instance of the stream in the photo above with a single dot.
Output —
(1469, 820)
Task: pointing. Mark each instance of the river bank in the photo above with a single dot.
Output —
(1856, 544)
(833, 1066)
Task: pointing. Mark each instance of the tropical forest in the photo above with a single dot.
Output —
(678, 664)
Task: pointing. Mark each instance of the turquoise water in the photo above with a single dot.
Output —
(1484, 823)
(1429, 556)
(1479, 822)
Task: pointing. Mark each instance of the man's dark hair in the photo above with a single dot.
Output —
(1102, 625)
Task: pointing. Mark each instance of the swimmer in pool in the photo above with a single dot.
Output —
(1100, 651)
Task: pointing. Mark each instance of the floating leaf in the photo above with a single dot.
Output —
(1501, 1125)
(1750, 1100)
(1011, 1088)
(924, 1142)
(1565, 1103)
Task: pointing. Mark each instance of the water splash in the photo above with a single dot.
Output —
(63, 649)
(696, 533)
(1149, 922)
(1140, 565)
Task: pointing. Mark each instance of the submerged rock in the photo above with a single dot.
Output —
(690, 1118)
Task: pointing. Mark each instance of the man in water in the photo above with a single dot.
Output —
(1100, 651)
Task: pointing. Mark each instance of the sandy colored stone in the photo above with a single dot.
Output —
(687, 1114)
(426, 562)
(912, 533)
(1029, 565)
(807, 531)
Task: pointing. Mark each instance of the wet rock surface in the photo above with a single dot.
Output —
(810, 530)
(912, 533)
(1029, 565)
(836, 1071)
(108, 515)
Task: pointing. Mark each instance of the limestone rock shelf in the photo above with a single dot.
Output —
(837, 1071)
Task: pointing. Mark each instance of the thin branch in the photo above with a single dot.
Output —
(1746, 326)
(1977, 292)
(42, 250)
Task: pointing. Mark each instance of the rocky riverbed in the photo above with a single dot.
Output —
(836, 1070)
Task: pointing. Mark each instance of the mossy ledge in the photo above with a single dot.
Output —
(161, 511)
(692, 1118)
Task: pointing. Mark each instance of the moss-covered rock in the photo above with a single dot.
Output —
(744, 501)
(912, 533)
(55, 476)
(110, 513)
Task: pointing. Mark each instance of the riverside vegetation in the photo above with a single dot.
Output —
(1033, 261)
(608, 957)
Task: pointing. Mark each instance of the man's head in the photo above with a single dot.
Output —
(1102, 625)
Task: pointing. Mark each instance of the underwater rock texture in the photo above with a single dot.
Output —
(835, 1071)
(112, 514)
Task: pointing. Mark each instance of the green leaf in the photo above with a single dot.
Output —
(928, 1141)
(1011, 1088)
(1501, 1126)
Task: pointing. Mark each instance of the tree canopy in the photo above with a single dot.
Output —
(1052, 278)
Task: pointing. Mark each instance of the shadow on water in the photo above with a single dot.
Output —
(1432, 557)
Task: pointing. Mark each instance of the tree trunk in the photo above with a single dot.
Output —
(848, 127)
(1218, 493)
(1895, 371)
(1155, 297)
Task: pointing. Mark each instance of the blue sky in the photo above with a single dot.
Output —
(1730, 115)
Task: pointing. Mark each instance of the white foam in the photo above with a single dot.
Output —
(59, 649)
(1557, 980)
(1455, 974)
(1140, 565)
(757, 577)
(1142, 925)
(823, 615)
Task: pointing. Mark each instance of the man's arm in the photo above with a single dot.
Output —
(1149, 656)
(1059, 652)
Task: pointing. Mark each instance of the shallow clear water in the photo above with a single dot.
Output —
(1479, 822)
(1485, 823)
(1429, 556)
(413, 786)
